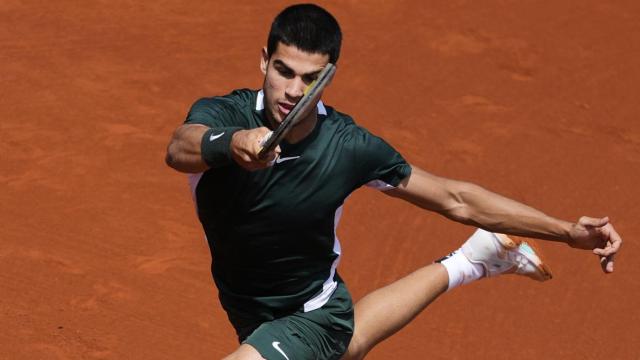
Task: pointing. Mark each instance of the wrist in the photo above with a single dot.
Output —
(215, 147)
(568, 231)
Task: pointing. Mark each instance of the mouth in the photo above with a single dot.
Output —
(285, 108)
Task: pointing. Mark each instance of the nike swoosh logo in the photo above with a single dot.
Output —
(279, 160)
(213, 137)
(276, 345)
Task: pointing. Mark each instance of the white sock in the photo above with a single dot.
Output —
(461, 270)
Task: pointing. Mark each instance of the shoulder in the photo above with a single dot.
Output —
(344, 125)
(236, 100)
(358, 138)
(233, 108)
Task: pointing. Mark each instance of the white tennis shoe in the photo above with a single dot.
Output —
(500, 254)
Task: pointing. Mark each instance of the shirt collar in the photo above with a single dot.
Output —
(260, 104)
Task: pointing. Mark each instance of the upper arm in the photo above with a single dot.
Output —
(204, 114)
(183, 151)
(376, 160)
(430, 192)
(189, 134)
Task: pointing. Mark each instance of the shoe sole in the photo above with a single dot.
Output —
(536, 258)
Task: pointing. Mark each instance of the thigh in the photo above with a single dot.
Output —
(281, 339)
(244, 352)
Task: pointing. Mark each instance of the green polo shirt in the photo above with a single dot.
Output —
(272, 232)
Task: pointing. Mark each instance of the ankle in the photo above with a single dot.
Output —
(460, 270)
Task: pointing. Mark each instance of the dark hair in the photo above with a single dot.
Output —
(308, 27)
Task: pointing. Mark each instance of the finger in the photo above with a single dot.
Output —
(261, 131)
(614, 238)
(606, 262)
(606, 257)
(609, 267)
(255, 151)
(613, 242)
(271, 158)
(594, 222)
(606, 250)
(599, 252)
(245, 157)
(264, 135)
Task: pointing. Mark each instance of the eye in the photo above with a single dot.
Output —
(285, 72)
(308, 79)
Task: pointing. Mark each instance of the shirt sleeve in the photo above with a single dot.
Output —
(379, 165)
(213, 112)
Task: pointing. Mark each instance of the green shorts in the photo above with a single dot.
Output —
(323, 333)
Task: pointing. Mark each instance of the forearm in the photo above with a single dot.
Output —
(196, 148)
(473, 205)
(494, 212)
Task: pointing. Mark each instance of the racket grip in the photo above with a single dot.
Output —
(263, 141)
(266, 138)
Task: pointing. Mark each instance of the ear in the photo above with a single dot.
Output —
(264, 60)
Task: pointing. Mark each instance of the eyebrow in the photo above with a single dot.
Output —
(287, 68)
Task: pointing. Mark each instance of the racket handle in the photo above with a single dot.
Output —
(264, 140)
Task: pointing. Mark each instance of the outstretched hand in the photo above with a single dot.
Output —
(597, 234)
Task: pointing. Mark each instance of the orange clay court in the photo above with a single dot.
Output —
(101, 253)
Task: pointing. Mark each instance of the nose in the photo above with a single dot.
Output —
(295, 88)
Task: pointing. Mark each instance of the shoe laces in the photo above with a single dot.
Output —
(518, 256)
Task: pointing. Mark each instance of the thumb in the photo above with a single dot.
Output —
(607, 264)
(594, 222)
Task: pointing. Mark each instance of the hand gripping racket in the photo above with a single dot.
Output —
(309, 99)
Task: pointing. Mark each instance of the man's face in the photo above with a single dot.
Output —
(287, 74)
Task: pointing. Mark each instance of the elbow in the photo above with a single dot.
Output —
(457, 208)
(183, 162)
(171, 158)
(459, 214)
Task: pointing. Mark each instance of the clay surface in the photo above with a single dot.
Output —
(101, 254)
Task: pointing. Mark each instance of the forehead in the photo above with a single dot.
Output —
(298, 60)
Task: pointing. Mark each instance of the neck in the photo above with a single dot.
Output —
(302, 129)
